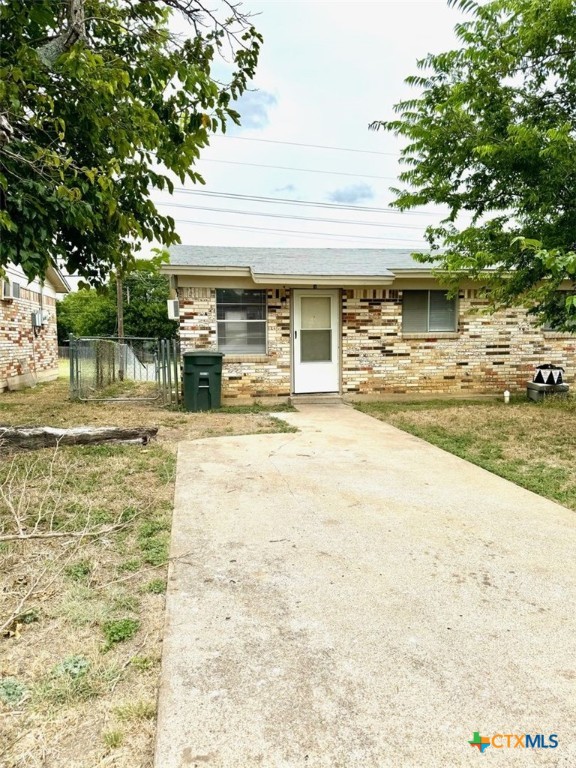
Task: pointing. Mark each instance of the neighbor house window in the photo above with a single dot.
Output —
(428, 312)
(241, 316)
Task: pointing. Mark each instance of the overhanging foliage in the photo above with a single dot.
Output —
(99, 100)
(492, 136)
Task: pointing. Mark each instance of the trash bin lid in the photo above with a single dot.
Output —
(203, 353)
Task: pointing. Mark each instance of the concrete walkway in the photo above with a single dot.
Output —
(350, 596)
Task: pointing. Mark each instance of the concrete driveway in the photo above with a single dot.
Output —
(351, 596)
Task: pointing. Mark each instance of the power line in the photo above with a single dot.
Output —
(292, 232)
(302, 170)
(291, 216)
(298, 235)
(310, 146)
(288, 201)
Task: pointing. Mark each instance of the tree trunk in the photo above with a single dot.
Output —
(31, 438)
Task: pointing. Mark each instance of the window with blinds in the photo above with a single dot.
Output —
(241, 317)
(428, 312)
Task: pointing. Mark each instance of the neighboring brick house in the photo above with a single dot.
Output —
(28, 341)
(358, 322)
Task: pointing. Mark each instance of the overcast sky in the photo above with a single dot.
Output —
(327, 70)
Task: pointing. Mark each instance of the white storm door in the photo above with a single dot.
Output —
(316, 340)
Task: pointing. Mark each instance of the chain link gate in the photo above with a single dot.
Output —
(127, 368)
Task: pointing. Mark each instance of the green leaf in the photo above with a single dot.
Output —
(490, 138)
(96, 116)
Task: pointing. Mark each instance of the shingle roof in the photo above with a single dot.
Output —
(358, 262)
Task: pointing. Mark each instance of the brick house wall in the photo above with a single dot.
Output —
(243, 376)
(488, 354)
(27, 355)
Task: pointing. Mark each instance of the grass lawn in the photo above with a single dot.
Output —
(531, 444)
(82, 598)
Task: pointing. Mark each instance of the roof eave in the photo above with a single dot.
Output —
(196, 271)
(58, 280)
(417, 273)
(261, 278)
(324, 280)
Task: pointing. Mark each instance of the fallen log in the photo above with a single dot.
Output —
(32, 438)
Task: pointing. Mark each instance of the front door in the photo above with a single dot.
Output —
(316, 339)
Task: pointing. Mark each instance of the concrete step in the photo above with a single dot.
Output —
(329, 398)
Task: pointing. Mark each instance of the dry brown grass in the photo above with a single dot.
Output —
(48, 405)
(67, 697)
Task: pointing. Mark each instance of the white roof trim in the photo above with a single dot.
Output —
(261, 278)
(58, 280)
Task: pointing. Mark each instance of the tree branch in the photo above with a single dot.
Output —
(50, 51)
(22, 536)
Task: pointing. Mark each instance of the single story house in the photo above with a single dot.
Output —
(357, 322)
(28, 340)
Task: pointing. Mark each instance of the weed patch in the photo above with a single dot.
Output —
(142, 663)
(156, 587)
(79, 571)
(138, 710)
(113, 739)
(12, 691)
(118, 631)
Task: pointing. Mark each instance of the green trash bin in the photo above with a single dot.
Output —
(202, 380)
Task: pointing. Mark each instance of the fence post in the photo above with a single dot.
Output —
(176, 372)
(168, 390)
(157, 365)
(73, 352)
(164, 377)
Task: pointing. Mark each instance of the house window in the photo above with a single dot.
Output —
(241, 316)
(428, 312)
(16, 290)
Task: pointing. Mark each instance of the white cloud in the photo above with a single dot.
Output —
(254, 108)
(353, 193)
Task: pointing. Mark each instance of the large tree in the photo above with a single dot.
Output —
(93, 312)
(100, 102)
(492, 136)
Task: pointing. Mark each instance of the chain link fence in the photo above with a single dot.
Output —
(127, 368)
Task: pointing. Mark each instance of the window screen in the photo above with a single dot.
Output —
(241, 317)
(428, 311)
